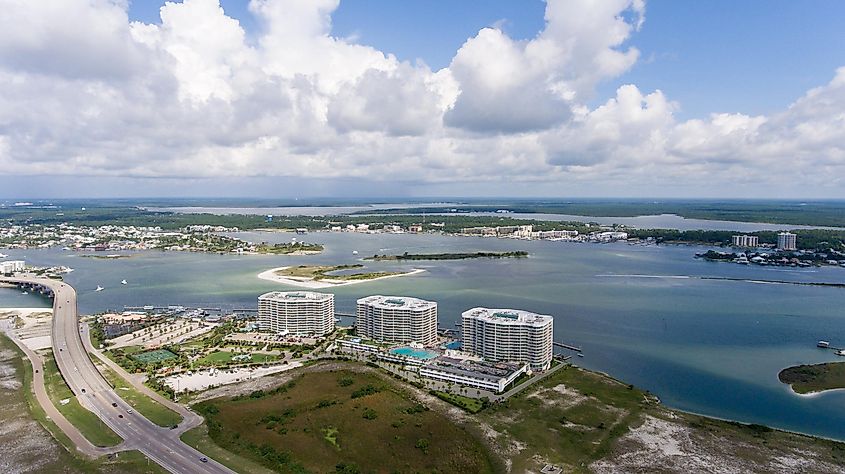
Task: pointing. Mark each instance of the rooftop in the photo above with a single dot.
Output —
(288, 296)
(397, 302)
(508, 316)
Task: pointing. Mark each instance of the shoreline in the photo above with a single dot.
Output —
(310, 283)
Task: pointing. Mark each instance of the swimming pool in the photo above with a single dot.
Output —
(454, 345)
(415, 353)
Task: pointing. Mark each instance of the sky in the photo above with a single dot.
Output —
(352, 98)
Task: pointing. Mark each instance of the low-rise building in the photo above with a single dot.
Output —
(483, 375)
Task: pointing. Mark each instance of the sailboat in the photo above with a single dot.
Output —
(123, 282)
(99, 288)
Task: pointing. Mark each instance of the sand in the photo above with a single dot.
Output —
(312, 284)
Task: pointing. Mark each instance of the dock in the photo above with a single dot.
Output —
(566, 346)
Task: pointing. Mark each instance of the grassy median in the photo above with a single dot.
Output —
(97, 432)
(151, 409)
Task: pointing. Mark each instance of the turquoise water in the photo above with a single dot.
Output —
(415, 353)
(455, 345)
(639, 313)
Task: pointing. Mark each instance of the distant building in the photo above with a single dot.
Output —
(296, 312)
(508, 335)
(12, 266)
(745, 241)
(397, 319)
(787, 241)
(415, 228)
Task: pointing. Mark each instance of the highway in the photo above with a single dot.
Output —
(162, 445)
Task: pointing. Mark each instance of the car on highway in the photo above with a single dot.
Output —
(129, 411)
(120, 416)
(114, 404)
(204, 459)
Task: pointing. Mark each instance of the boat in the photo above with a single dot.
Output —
(841, 352)
(3, 255)
(123, 282)
(24, 293)
(99, 288)
(823, 344)
(354, 252)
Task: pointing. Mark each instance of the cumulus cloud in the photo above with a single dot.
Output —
(86, 92)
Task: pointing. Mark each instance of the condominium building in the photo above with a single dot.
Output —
(745, 241)
(12, 266)
(397, 319)
(296, 312)
(508, 335)
(787, 241)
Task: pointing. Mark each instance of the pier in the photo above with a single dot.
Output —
(566, 346)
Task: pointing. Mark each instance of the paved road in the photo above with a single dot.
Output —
(162, 445)
(189, 419)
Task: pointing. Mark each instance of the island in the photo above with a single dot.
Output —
(449, 256)
(808, 379)
(322, 276)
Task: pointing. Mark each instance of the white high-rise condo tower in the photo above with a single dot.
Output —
(508, 335)
(398, 319)
(296, 312)
(787, 241)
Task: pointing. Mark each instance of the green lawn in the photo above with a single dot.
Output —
(151, 409)
(88, 423)
(320, 421)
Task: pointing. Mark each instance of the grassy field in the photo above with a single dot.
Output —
(318, 272)
(321, 422)
(199, 440)
(588, 422)
(151, 409)
(33, 443)
(814, 378)
(88, 423)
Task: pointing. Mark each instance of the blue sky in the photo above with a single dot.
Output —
(557, 98)
(754, 57)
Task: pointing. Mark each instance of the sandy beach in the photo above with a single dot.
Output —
(312, 284)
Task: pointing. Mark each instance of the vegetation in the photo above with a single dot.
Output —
(449, 256)
(814, 378)
(146, 406)
(472, 405)
(88, 423)
(320, 423)
(199, 440)
(315, 272)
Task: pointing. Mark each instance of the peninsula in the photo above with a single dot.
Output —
(449, 256)
(324, 276)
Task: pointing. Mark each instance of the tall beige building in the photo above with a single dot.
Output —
(296, 312)
(510, 335)
(397, 319)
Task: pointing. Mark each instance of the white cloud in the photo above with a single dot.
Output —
(87, 93)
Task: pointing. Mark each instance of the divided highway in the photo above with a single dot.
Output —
(162, 445)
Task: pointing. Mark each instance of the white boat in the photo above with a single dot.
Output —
(24, 293)
(3, 255)
(123, 282)
(99, 288)
(354, 252)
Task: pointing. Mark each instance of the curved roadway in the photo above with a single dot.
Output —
(162, 445)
